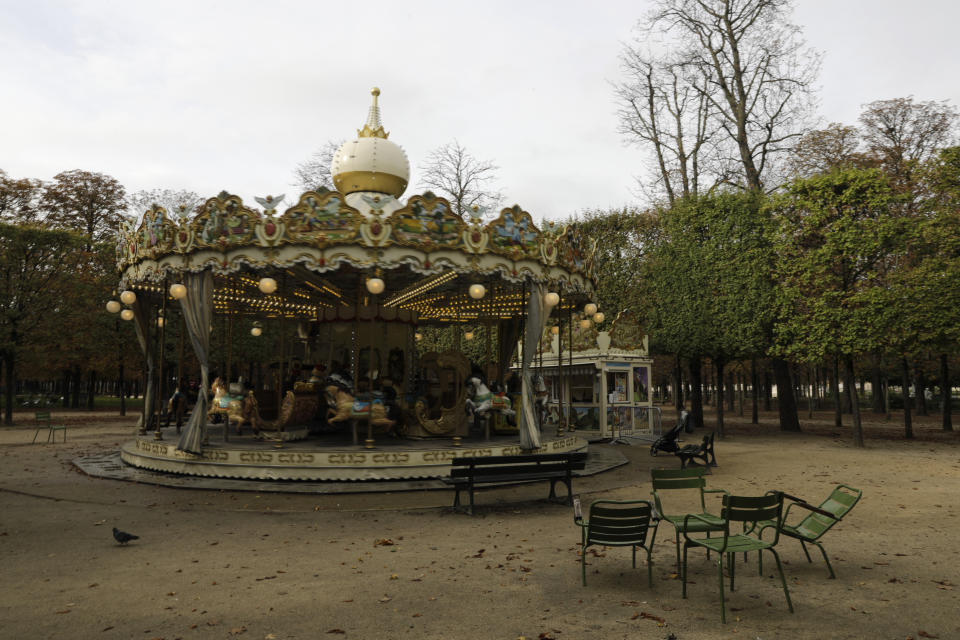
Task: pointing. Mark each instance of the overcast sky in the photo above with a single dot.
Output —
(232, 95)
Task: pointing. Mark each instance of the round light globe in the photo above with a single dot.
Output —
(418, 336)
(113, 306)
(552, 299)
(477, 291)
(127, 314)
(555, 330)
(598, 317)
(375, 285)
(160, 321)
(256, 331)
(267, 285)
(468, 335)
(178, 291)
(128, 297)
(584, 324)
(590, 309)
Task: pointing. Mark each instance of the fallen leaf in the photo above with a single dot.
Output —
(650, 616)
(336, 631)
(385, 599)
(394, 576)
(924, 634)
(383, 542)
(237, 631)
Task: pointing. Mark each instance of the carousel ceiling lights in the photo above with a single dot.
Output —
(178, 291)
(585, 324)
(113, 306)
(552, 299)
(127, 314)
(128, 297)
(159, 318)
(590, 309)
(267, 285)
(468, 335)
(477, 291)
(418, 336)
(598, 317)
(257, 329)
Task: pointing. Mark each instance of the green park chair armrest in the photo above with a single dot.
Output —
(686, 521)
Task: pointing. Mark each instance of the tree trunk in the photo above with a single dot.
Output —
(91, 389)
(731, 393)
(789, 421)
(945, 393)
(678, 377)
(77, 376)
(811, 394)
(720, 381)
(877, 385)
(922, 409)
(767, 390)
(10, 378)
(754, 393)
(696, 393)
(907, 418)
(123, 392)
(66, 390)
(740, 389)
(850, 384)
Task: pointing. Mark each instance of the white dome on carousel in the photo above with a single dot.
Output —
(371, 162)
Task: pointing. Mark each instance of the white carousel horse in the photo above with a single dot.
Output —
(482, 400)
(541, 395)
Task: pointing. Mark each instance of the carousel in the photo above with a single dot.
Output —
(342, 284)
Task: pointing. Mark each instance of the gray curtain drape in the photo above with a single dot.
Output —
(536, 319)
(141, 322)
(508, 332)
(197, 308)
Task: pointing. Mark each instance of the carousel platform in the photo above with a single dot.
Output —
(330, 457)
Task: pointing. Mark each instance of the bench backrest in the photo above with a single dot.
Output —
(518, 464)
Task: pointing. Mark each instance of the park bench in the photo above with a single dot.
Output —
(702, 452)
(44, 421)
(468, 472)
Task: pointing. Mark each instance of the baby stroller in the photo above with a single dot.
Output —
(668, 441)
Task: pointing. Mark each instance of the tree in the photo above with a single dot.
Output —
(837, 236)
(752, 68)
(820, 151)
(36, 266)
(314, 172)
(454, 173)
(661, 108)
(177, 202)
(19, 199)
(903, 133)
(91, 203)
(706, 283)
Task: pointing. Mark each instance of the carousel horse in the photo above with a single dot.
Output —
(481, 400)
(344, 407)
(541, 395)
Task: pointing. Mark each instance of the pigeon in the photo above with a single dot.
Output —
(122, 536)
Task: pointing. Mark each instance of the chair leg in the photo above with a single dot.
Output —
(649, 568)
(633, 555)
(683, 571)
(732, 563)
(826, 559)
(677, 532)
(805, 552)
(723, 604)
(783, 580)
(583, 565)
(35, 434)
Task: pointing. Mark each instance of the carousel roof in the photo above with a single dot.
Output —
(325, 247)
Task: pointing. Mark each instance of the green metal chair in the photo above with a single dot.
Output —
(750, 511)
(44, 421)
(617, 523)
(690, 479)
(821, 519)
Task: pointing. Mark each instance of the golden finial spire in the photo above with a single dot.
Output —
(374, 127)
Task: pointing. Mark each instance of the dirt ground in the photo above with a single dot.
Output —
(219, 564)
